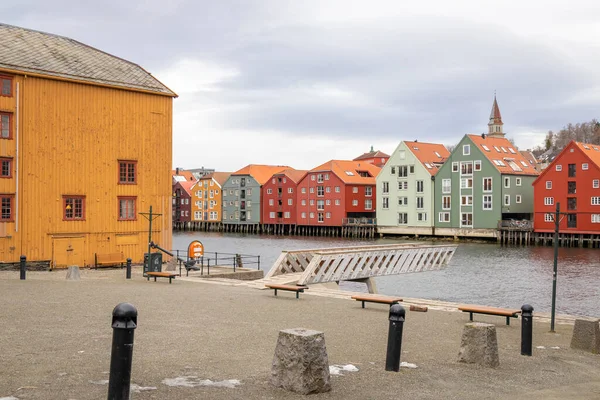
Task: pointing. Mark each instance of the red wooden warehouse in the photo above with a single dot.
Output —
(573, 180)
(336, 193)
(279, 197)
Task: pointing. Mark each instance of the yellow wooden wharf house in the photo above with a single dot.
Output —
(85, 147)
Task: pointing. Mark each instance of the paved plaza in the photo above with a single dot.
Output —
(200, 339)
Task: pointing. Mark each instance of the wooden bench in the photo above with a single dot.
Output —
(503, 312)
(109, 259)
(170, 275)
(375, 298)
(298, 289)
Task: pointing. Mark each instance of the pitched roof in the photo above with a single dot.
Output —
(182, 175)
(372, 154)
(431, 155)
(503, 155)
(219, 177)
(590, 150)
(295, 175)
(528, 155)
(187, 185)
(47, 54)
(262, 173)
(348, 171)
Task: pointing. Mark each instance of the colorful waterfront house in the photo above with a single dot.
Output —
(338, 193)
(484, 180)
(208, 197)
(86, 144)
(405, 188)
(242, 193)
(279, 197)
(375, 157)
(573, 180)
(182, 202)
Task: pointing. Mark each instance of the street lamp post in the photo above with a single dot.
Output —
(556, 227)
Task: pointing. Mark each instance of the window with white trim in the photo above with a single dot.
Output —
(548, 184)
(290, 202)
(444, 217)
(487, 184)
(368, 191)
(272, 214)
(595, 218)
(446, 202)
(507, 199)
(385, 203)
(402, 201)
(487, 201)
(585, 166)
(548, 217)
(422, 217)
(303, 202)
(466, 219)
(402, 185)
(385, 187)
(478, 165)
(596, 201)
(455, 166)
(548, 201)
(446, 185)
(368, 204)
(596, 183)
(466, 167)
(286, 214)
(518, 181)
(466, 200)
(402, 218)
(558, 167)
(507, 182)
(466, 150)
(419, 186)
(420, 203)
(466, 183)
(518, 199)
(355, 203)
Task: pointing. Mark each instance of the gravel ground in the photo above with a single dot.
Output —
(56, 340)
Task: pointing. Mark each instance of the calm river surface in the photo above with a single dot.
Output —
(485, 274)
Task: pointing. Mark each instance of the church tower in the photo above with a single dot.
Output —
(495, 124)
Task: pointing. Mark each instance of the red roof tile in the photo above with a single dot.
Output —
(348, 171)
(262, 173)
(372, 154)
(295, 175)
(590, 150)
(429, 154)
(503, 155)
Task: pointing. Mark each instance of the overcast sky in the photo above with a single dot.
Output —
(299, 82)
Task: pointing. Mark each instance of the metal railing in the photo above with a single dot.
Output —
(359, 221)
(236, 260)
(515, 225)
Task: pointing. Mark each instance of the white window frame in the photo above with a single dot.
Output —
(466, 149)
(444, 217)
(446, 186)
(354, 203)
(455, 166)
(491, 189)
(506, 182)
(507, 199)
(385, 203)
(468, 200)
(461, 220)
(595, 200)
(484, 202)
(518, 181)
(444, 203)
(548, 217)
(558, 167)
(596, 184)
(548, 185)
(477, 165)
(585, 166)
(518, 199)
(548, 201)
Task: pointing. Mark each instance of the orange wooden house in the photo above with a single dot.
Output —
(85, 146)
(207, 197)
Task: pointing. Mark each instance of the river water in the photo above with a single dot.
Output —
(486, 274)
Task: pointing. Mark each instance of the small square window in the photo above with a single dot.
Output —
(7, 208)
(127, 172)
(74, 208)
(466, 150)
(5, 167)
(127, 209)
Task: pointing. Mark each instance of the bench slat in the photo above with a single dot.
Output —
(502, 312)
(376, 299)
(298, 289)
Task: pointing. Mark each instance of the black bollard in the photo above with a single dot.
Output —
(128, 266)
(394, 347)
(23, 267)
(526, 329)
(124, 322)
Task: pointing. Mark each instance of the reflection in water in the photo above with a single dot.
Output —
(478, 273)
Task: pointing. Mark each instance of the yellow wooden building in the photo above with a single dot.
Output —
(207, 198)
(85, 147)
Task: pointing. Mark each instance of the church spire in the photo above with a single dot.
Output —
(495, 124)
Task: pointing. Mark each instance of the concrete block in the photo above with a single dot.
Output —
(414, 307)
(73, 273)
(300, 363)
(479, 345)
(586, 335)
